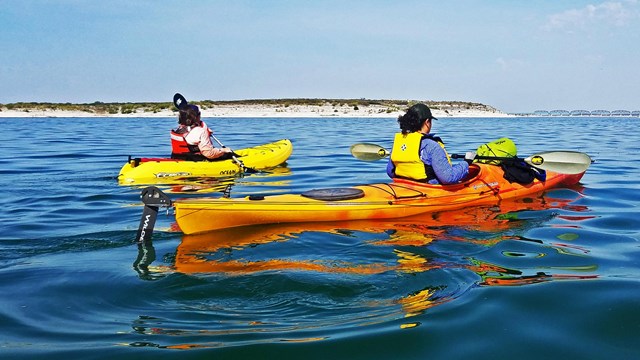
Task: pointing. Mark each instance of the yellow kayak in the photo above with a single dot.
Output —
(400, 198)
(166, 170)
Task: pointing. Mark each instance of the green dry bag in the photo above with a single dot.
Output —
(503, 147)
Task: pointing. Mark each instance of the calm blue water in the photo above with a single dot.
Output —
(550, 277)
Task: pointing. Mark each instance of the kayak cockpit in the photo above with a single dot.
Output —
(474, 173)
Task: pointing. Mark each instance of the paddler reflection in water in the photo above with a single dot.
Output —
(192, 139)
(421, 156)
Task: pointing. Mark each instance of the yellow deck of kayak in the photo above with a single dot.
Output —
(165, 171)
(380, 201)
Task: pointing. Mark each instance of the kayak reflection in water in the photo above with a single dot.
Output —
(421, 156)
(191, 140)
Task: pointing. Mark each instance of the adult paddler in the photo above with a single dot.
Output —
(421, 156)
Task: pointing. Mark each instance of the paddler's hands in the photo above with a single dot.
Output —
(226, 150)
(469, 157)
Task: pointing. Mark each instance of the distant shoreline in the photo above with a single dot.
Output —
(253, 109)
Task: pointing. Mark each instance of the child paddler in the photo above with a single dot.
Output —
(191, 140)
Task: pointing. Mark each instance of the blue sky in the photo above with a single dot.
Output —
(518, 56)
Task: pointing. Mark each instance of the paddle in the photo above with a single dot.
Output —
(181, 103)
(564, 162)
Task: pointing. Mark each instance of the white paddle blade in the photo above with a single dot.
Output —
(564, 162)
(368, 152)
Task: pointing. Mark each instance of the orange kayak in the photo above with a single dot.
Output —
(485, 185)
(420, 230)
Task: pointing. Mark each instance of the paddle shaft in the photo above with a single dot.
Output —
(481, 157)
(238, 161)
(565, 162)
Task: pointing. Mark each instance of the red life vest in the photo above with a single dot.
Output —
(179, 145)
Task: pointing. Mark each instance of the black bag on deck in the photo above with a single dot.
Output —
(521, 172)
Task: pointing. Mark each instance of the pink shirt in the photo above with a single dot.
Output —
(199, 135)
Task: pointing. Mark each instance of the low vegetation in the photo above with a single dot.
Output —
(95, 108)
(155, 107)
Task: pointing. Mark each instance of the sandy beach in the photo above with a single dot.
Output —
(263, 110)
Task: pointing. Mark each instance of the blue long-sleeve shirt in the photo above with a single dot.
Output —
(431, 153)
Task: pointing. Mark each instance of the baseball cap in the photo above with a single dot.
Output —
(423, 111)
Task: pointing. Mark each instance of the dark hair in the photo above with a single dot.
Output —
(189, 116)
(411, 121)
